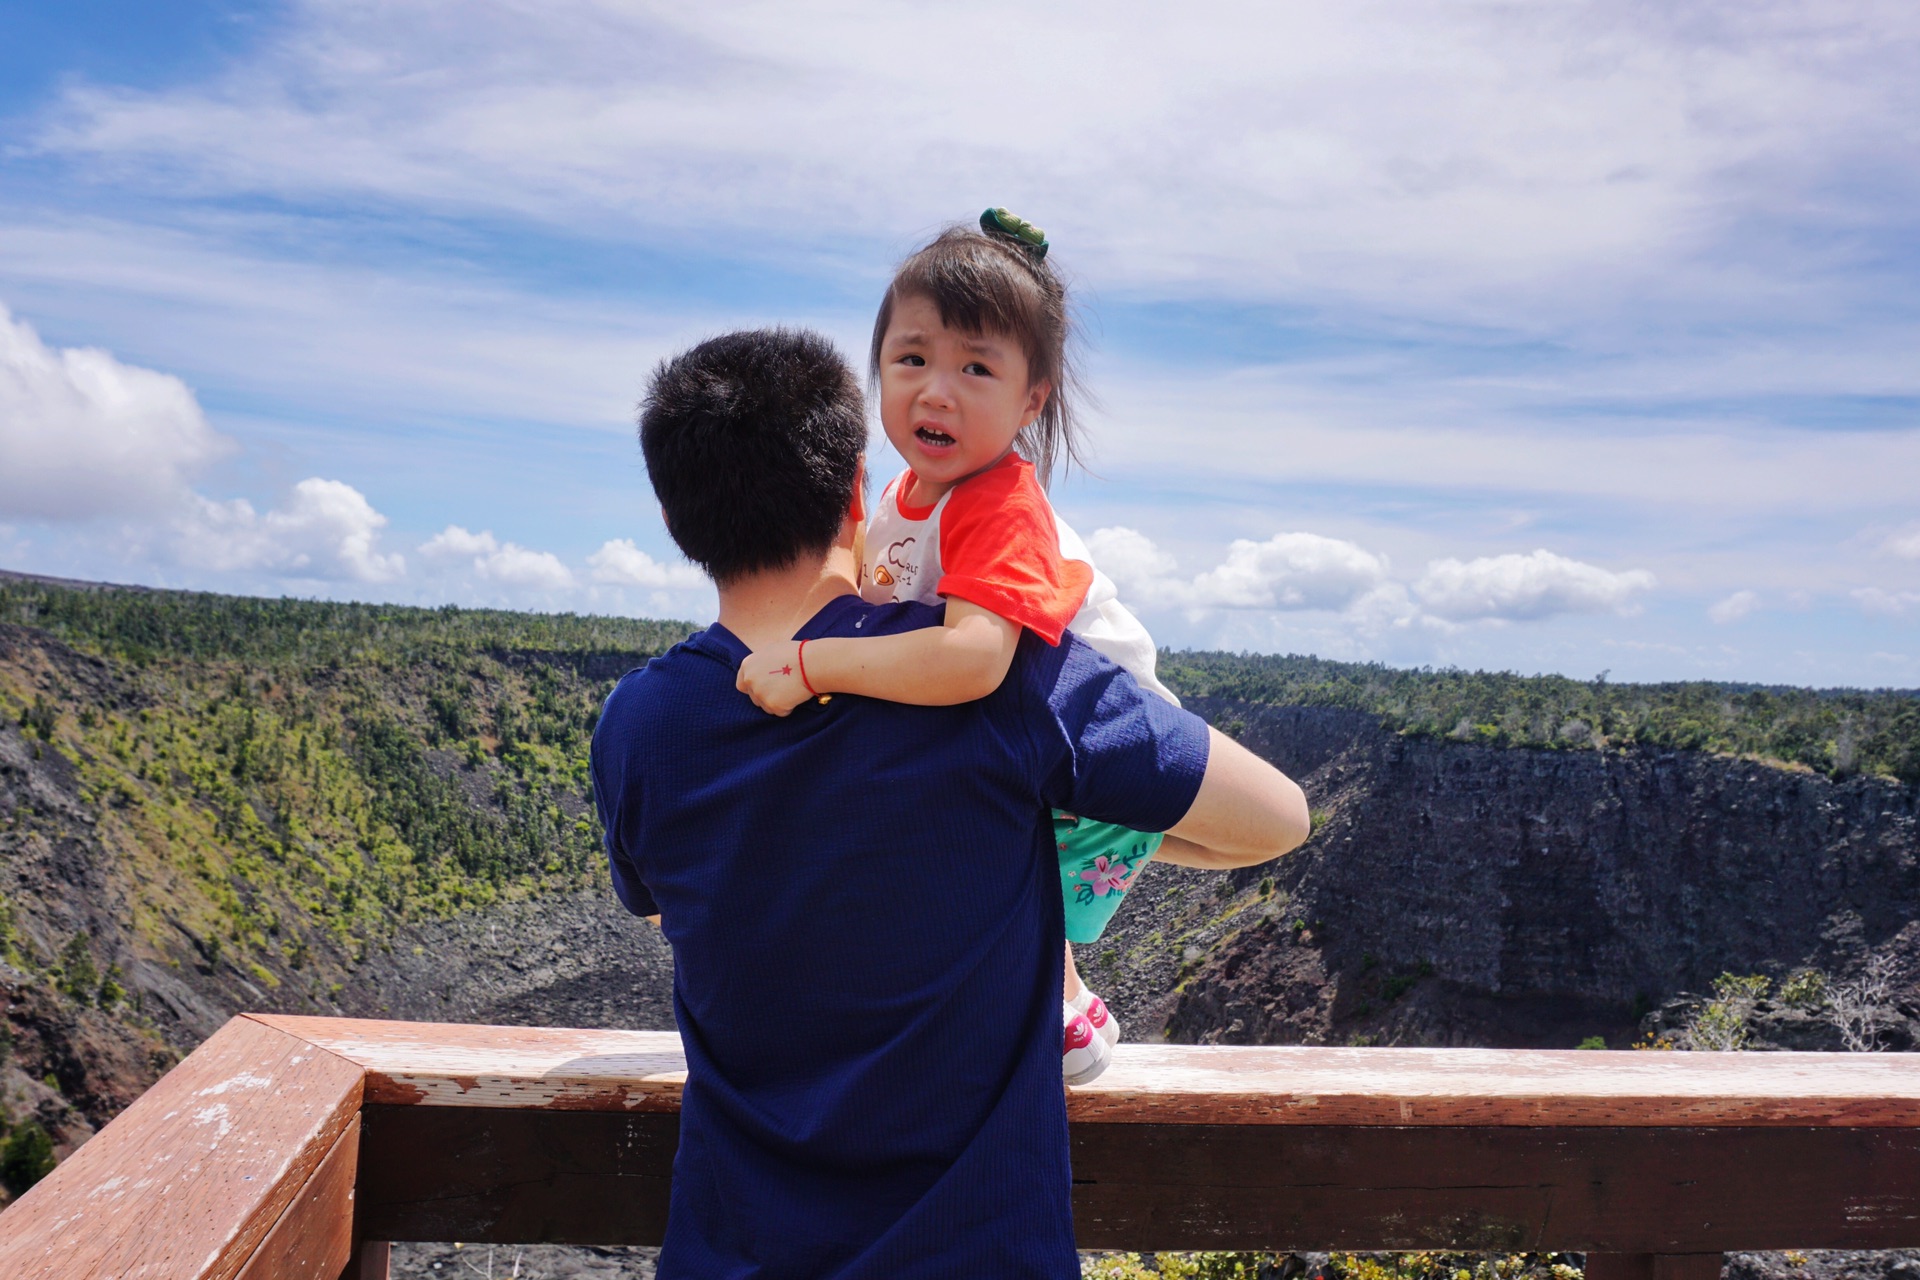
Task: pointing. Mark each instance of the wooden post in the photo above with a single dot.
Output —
(1687, 1266)
(1653, 1266)
(372, 1260)
(1619, 1266)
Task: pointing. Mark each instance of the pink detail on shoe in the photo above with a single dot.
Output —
(1096, 1011)
(1079, 1034)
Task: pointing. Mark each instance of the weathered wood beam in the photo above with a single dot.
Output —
(1626, 1190)
(314, 1237)
(450, 1064)
(189, 1181)
(499, 1175)
(247, 1161)
(505, 1175)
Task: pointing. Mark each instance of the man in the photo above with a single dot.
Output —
(862, 897)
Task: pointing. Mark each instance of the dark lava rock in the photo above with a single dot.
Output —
(1467, 895)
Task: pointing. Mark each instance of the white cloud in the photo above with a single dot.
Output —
(1137, 566)
(1887, 604)
(620, 563)
(1734, 607)
(1387, 606)
(1517, 587)
(1289, 571)
(1474, 151)
(1306, 572)
(505, 563)
(1905, 544)
(83, 435)
(326, 529)
(454, 541)
(1608, 236)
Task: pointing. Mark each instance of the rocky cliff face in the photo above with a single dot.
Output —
(1454, 894)
(122, 877)
(1451, 894)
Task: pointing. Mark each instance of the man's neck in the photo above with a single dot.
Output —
(765, 608)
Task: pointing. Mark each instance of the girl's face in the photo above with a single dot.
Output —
(951, 402)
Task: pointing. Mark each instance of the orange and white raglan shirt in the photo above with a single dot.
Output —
(994, 540)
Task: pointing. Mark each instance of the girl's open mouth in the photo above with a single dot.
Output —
(934, 439)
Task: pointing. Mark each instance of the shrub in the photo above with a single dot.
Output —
(1722, 1025)
(111, 992)
(40, 719)
(1804, 989)
(27, 1157)
(79, 976)
(1861, 1007)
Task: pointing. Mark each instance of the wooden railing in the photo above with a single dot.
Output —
(293, 1147)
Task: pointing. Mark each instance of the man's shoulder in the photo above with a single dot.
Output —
(853, 617)
(696, 661)
(1073, 671)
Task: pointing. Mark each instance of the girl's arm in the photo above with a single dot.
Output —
(933, 667)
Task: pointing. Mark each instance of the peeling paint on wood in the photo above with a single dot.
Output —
(441, 1064)
(179, 1186)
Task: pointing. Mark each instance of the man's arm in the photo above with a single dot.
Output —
(1119, 754)
(1246, 812)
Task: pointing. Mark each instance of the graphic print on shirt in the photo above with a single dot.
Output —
(901, 568)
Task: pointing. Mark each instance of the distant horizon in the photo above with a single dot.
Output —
(87, 584)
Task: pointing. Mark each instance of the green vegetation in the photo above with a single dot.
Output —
(26, 1157)
(153, 626)
(292, 777)
(1725, 1023)
(1804, 989)
(288, 780)
(79, 976)
(1836, 732)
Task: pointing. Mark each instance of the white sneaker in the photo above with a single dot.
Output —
(1084, 1054)
(1098, 1014)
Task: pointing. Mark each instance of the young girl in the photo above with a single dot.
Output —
(969, 351)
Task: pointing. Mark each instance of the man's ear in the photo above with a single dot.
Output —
(853, 526)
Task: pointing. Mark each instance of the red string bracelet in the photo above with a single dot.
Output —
(801, 658)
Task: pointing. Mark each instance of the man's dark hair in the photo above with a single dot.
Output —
(753, 443)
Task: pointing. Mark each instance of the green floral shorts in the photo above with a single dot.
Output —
(1098, 863)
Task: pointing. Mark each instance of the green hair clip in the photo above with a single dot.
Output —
(1014, 227)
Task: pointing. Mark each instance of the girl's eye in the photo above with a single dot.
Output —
(913, 362)
(978, 370)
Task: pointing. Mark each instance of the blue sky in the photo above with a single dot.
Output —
(1567, 336)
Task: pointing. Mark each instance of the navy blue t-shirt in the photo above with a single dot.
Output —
(864, 908)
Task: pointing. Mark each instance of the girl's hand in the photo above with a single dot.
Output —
(771, 677)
